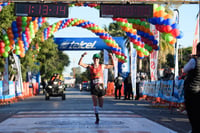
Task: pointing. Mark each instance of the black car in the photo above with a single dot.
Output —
(55, 89)
(86, 86)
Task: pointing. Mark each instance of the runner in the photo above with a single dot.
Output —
(97, 86)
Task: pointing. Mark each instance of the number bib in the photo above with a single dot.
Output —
(97, 81)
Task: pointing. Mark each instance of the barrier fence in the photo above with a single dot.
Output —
(161, 92)
(16, 93)
(170, 92)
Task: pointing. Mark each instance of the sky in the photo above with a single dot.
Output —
(187, 24)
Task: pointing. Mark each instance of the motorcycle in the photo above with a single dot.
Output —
(55, 88)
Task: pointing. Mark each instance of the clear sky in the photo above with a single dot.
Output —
(187, 23)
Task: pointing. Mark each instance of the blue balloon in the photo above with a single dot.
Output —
(40, 19)
(167, 22)
(138, 39)
(14, 24)
(155, 42)
(151, 37)
(180, 35)
(5, 4)
(134, 36)
(160, 20)
(140, 57)
(33, 18)
(175, 26)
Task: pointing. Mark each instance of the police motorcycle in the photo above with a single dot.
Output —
(55, 88)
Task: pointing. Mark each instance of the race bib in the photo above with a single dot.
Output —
(96, 81)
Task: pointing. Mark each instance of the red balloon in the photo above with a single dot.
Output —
(2, 50)
(167, 28)
(175, 32)
(2, 44)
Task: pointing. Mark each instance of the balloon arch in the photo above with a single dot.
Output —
(18, 37)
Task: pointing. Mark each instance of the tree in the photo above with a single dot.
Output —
(6, 19)
(41, 56)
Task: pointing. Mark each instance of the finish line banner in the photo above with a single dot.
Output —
(94, 43)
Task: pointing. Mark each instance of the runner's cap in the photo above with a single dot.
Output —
(96, 56)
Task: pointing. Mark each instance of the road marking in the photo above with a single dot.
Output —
(80, 122)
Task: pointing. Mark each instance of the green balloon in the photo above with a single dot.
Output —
(24, 18)
(146, 53)
(17, 47)
(24, 23)
(17, 52)
(143, 23)
(7, 42)
(5, 54)
(7, 48)
(5, 37)
(137, 21)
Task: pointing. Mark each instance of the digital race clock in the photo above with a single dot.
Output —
(41, 9)
(126, 10)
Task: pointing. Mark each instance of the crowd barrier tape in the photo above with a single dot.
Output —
(163, 91)
(16, 95)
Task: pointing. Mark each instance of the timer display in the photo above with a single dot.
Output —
(126, 10)
(41, 9)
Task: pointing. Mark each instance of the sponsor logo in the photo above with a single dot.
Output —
(77, 45)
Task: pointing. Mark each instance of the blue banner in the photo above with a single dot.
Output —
(124, 68)
(93, 43)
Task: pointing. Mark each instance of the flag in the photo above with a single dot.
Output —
(176, 20)
(105, 72)
(196, 36)
(154, 55)
(133, 60)
(5, 78)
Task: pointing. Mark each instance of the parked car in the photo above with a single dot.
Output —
(86, 86)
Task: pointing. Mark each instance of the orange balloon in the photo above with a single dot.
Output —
(167, 16)
(22, 49)
(11, 47)
(10, 36)
(156, 14)
(161, 13)
(29, 19)
(173, 41)
(140, 54)
(9, 30)
(22, 54)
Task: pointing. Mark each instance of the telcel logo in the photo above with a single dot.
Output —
(77, 45)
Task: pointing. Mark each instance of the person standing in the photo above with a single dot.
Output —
(128, 88)
(96, 75)
(192, 90)
(118, 85)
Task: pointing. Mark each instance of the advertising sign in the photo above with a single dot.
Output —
(94, 43)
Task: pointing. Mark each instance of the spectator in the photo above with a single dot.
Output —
(140, 77)
(128, 87)
(192, 90)
(118, 85)
(167, 74)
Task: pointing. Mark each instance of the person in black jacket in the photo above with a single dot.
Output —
(128, 88)
(118, 85)
(192, 90)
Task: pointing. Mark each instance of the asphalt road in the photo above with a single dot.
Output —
(81, 101)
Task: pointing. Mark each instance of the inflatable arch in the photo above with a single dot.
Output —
(110, 42)
(137, 30)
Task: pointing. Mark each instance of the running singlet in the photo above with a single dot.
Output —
(96, 74)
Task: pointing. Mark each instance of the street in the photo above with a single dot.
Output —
(75, 115)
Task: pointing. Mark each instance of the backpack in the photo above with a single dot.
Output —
(119, 80)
